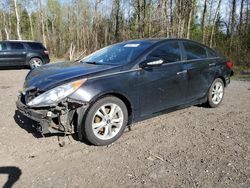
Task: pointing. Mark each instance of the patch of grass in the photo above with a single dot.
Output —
(241, 73)
(241, 77)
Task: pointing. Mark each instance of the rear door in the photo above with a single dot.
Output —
(17, 54)
(164, 86)
(200, 69)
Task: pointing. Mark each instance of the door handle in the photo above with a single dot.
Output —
(182, 72)
(211, 64)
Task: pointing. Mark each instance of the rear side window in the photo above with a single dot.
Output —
(211, 53)
(194, 51)
(36, 46)
(169, 52)
(3, 46)
(16, 46)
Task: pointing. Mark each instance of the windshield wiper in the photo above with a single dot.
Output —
(96, 63)
(90, 62)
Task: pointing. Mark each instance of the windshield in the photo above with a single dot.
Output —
(116, 54)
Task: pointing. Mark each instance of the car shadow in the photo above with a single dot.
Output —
(13, 173)
(204, 105)
(14, 68)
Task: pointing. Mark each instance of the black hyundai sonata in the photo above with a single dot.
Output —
(98, 96)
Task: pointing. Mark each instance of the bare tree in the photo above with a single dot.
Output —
(17, 21)
(233, 22)
(241, 15)
(204, 14)
(117, 20)
(6, 30)
(171, 18)
(138, 10)
(42, 23)
(71, 51)
(190, 19)
(31, 27)
(214, 23)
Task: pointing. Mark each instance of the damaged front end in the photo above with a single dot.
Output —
(60, 118)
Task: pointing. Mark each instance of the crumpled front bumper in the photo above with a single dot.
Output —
(57, 119)
(39, 116)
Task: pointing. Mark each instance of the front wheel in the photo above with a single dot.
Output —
(105, 121)
(216, 93)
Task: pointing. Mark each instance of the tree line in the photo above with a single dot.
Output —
(81, 26)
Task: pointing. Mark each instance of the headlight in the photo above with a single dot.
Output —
(55, 95)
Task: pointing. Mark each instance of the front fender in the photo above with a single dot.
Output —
(123, 86)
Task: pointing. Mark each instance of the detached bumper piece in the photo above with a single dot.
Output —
(58, 119)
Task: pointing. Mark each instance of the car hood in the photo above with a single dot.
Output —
(52, 75)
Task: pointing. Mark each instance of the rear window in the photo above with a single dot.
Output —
(16, 46)
(194, 51)
(36, 46)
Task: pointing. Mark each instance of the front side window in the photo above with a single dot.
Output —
(194, 51)
(16, 46)
(3, 46)
(169, 52)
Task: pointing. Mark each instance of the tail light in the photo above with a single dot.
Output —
(229, 64)
(46, 52)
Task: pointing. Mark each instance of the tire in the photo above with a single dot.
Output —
(105, 121)
(216, 93)
(35, 62)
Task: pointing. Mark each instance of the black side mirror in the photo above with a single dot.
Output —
(151, 62)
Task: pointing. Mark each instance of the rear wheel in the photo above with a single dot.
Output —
(216, 93)
(35, 62)
(105, 121)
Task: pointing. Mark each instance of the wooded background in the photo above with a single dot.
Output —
(85, 26)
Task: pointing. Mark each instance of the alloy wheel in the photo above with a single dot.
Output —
(107, 121)
(35, 62)
(217, 92)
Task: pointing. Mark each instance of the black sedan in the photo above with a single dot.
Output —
(98, 96)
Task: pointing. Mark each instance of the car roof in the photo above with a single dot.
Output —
(160, 40)
(26, 41)
(150, 40)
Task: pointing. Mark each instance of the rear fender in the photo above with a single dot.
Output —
(32, 55)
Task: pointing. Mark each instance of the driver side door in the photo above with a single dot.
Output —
(163, 86)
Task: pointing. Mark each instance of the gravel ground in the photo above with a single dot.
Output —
(192, 147)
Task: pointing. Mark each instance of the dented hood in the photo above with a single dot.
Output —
(52, 75)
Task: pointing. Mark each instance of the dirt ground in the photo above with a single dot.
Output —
(192, 147)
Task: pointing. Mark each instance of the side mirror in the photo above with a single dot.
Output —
(151, 62)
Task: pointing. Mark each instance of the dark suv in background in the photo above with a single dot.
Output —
(17, 53)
